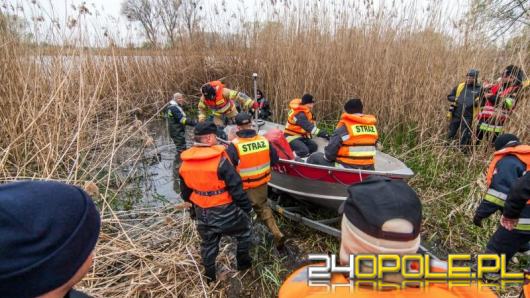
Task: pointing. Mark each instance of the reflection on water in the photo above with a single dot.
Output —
(158, 187)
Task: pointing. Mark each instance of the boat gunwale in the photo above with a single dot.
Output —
(351, 171)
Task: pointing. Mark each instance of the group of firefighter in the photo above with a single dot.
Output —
(226, 185)
(49, 229)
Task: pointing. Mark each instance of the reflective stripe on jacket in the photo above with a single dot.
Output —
(254, 160)
(199, 170)
(359, 146)
(522, 152)
(292, 127)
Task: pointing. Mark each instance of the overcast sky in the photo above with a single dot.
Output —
(105, 14)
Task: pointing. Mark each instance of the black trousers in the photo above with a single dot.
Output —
(177, 132)
(226, 220)
(303, 146)
(507, 242)
(464, 126)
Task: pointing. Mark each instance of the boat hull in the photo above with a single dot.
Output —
(327, 186)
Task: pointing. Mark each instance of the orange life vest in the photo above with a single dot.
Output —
(522, 152)
(291, 127)
(296, 286)
(254, 160)
(219, 102)
(359, 148)
(199, 171)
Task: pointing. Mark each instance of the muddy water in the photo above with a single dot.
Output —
(158, 186)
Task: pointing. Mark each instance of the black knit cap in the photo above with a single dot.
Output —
(378, 199)
(243, 119)
(354, 105)
(472, 73)
(307, 98)
(506, 140)
(47, 232)
(205, 128)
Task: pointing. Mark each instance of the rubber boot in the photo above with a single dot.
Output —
(279, 238)
(244, 262)
(209, 272)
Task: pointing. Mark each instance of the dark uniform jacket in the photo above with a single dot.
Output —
(335, 142)
(518, 197)
(177, 114)
(465, 101)
(302, 121)
(507, 171)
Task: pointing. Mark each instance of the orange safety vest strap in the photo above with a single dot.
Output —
(522, 152)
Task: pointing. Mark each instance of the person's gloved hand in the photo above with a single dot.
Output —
(251, 215)
(323, 134)
(191, 122)
(477, 221)
(509, 223)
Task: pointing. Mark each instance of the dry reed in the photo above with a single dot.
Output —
(71, 114)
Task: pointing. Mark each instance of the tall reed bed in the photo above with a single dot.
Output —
(78, 114)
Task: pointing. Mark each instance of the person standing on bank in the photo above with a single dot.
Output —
(464, 100)
(301, 126)
(509, 164)
(211, 183)
(253, 157)
(510, 161)
(499, 101)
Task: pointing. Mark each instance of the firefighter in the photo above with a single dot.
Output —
(353, 144)
(177, 122)
(505, 191)
(499, 101)
(381, 216)
(253, 157)
(220, 100)
(464, 100)
(301, 126)
(510, 161)
(516, 203)
(211, 183)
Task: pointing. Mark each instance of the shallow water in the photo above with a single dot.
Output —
(157, 187)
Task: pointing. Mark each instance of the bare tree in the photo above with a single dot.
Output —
(168, 12)
(142, 11)
(501, 15)
(190, 9)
